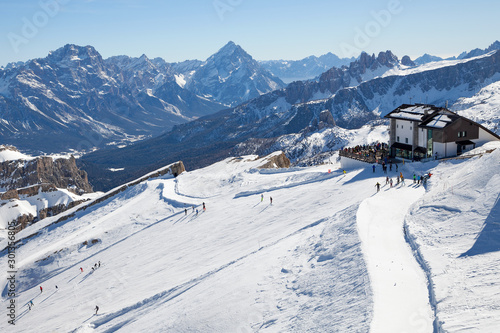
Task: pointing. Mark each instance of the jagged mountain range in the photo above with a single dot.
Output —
(89, 101)
(349, 97)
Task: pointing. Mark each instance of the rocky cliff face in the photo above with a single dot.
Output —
(275, 161)
(60, 173)
(34, 188)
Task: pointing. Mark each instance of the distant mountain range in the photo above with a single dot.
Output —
(201, 111)
(92, 102)
(426, 58)
(348, 97)
(304, 69)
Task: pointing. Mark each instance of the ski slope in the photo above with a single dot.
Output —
(303, 263)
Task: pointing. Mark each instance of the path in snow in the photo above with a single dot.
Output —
(401, 302)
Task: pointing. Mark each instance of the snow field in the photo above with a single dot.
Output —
(329, 255)
(231, 268)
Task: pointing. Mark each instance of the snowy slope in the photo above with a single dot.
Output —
(241, 264)
(8, 153)
(455, 228)
(307, 262)
(483, 107)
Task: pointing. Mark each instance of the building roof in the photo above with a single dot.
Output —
(439, 120)
(416, 112)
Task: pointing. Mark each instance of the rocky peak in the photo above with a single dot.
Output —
(75, 55)
(231, 76)
(229, 49)
(387, 59)
(406, 60)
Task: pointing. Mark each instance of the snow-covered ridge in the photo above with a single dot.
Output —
(407, 70)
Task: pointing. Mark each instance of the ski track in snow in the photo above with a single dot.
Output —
(399, 284)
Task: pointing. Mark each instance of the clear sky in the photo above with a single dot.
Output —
(266, 29)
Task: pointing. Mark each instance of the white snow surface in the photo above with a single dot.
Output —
(7, 154)
(328, 255)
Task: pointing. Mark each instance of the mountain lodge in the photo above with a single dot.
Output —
(424, 131)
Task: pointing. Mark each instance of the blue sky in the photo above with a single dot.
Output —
(270, 29)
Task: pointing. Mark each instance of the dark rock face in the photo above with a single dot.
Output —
(406, 60)
(60, 173)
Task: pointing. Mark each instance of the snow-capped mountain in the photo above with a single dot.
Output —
(74, 93)
(426, 58)
(304, 69)
(275, 250)
(94, 102)
(349, 98)
(231, 76)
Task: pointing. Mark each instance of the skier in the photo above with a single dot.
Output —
(99, 264)
(185, 211)
(373, 167)
(41, 289)
(271, 198)
(344, 172)
(96, 309)
(196, 212)
(378, 186)
(57, 287)
(81, 270)
(261, 197)
(204, 208)
(414, 179)
(396, 167)
(386, 180)
(390, 182)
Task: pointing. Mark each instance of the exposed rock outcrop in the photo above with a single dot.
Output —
(276, 161)
(406, 60)
(61, 173)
